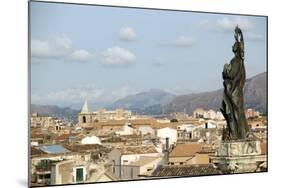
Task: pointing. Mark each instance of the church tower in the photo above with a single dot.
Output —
(85, 118)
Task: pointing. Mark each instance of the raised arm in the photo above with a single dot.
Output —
(239, 38)
(242, 44)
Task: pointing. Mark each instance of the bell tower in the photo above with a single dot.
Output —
(85, 118)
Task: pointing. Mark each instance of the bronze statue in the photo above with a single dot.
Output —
(234, 76)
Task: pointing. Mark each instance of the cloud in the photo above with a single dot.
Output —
(227, 25)
(81, 55)
(58, 48)
(55, 48)
(40, 49)
(127, 34)
(117, 57)
(92, 93)
(63, 41)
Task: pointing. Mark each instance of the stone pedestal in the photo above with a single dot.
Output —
(239, 156)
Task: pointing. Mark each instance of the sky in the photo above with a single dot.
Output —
(103, 54)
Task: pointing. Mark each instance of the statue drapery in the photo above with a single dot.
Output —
(234, 76)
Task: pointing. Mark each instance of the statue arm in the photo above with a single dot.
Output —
(239, 37)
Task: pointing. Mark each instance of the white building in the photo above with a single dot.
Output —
(146, 130)
(163, 121)
(90, 140)
(127, 130)
(207, 114)
(167, 132)
(186, 127)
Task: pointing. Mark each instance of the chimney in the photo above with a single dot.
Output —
(166, 152)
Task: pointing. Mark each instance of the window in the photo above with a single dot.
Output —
(79, 174)
(84, 119)
(181, 163)
(46, 176)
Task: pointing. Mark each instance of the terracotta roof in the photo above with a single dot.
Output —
(144, 160)
(66, 136)
(35, 151)
(86, 148)
(186, 170)
(189, 149)
(130, 150)
(35, 136)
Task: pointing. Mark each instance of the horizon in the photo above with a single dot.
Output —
(90, 56)
(94, 107)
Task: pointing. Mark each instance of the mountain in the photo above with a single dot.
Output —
(255, 96)
(141, 101)
(63, 113)
(158, 101)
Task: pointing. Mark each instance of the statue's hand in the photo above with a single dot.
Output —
(227, 69)
(237, 29)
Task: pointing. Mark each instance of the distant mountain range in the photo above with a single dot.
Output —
(55, 111)
(141, 101)
(157, 101)
(255, 96)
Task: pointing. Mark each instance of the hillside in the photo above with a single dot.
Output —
(255, 96)
(55, 111)
(140, 101)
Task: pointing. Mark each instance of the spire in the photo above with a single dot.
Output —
(85, 108)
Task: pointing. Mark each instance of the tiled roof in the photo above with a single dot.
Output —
(186, 170)
(86, 148)
(190, 149)
(66, 136)
(35, 151)
(130, 150)
(144, 160)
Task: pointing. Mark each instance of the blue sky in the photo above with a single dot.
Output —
(105, 53)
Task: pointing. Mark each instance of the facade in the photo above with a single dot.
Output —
(127, 130)
(190, 153)
(147, 165)
(167, 132)
(144, 130)
(184, 132)
(87, 118)
(45, 121)
(207, 114)
(127, 162)
(251, 113)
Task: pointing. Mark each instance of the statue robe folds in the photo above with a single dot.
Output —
(234, 79)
